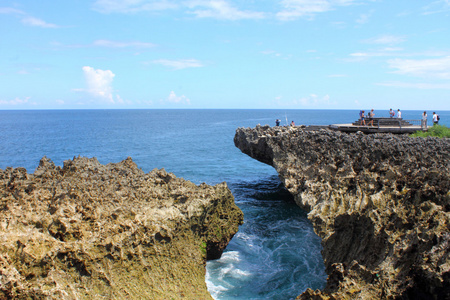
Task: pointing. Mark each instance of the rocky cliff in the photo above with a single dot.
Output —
(93, 231)
(379, 202)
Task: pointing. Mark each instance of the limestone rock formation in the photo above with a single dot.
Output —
(380, 203)
(93, 231)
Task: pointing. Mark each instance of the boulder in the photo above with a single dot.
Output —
(93, 231)
(380, 203)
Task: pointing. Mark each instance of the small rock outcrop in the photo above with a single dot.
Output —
(380, 203)
(93, 231)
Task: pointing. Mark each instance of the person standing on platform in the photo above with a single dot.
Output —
(399, 113)
(391, 113)
(435, 118)
(424, 119)
(362, 117)
(370, 115)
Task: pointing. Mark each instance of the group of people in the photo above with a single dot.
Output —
(392, 113)
(436, 118)
(371, 115)
(277, 122)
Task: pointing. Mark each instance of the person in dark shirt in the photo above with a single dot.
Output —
(370, 115)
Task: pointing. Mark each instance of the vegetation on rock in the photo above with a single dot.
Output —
(440, 131)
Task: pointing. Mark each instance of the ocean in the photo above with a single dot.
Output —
(275, 254)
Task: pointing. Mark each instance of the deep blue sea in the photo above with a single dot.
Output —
(275, 254)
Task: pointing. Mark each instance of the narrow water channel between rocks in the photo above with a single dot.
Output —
(275, 254)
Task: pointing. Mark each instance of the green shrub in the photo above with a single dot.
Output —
(441, 131)
(203, 247)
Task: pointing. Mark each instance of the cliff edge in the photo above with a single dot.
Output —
(93, 231)
(379, 202)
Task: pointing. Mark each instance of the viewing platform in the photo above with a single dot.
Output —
(385, 125)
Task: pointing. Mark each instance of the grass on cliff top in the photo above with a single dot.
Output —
(441, 131)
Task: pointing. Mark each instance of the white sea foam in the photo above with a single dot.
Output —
(221, 274)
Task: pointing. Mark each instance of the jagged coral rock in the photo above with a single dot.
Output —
(380, 203)
(93, 231)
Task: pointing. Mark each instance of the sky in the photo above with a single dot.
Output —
(230, 54)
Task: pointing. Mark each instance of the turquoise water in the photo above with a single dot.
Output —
(275, 254)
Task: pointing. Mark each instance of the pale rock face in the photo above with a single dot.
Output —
(380, 203)
(93, 231)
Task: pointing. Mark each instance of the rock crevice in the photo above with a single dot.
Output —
(380, 203)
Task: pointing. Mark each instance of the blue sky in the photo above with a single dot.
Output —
(291, 54)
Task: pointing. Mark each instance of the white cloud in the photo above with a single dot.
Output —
(132, 6)
(145, 102)
(312, 100)
(428, 68)
(437, 7)
(220, 9)
(27, 19)
(387, 51)
(294, 9)
(17, 101)
(119, 100)
(367, 54)
(393, 52)
(273, 53)
(31, 21)
(361, 56)
(107, 44)
(117, 44)
(99, 83)
(179, 64)
(386, 39)
(363, 19)
(392, 49)
(10, 10)
(337, 75)
(422, 86)
(269, 52)
(173, 98)
(226, 9)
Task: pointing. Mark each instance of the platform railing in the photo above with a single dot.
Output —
(400, 122)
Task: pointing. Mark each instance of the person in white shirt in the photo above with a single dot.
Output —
(435, 119)
(424, 119)
(399, 113)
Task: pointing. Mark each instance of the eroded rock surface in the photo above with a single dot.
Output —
(93, 231)
(379, 202)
